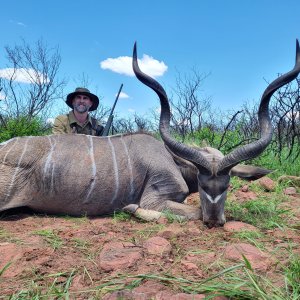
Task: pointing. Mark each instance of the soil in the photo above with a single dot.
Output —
(111, 258)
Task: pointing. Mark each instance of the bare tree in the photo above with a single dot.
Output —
(286, 115)
(188, 110)
(30, 83)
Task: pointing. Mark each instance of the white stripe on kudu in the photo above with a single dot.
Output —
(116, 171)
(49, 157)
(94, 168)
(215, 200)
(17, 170)
(129, 167)
(7, 143)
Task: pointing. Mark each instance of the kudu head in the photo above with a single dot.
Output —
(214, 177)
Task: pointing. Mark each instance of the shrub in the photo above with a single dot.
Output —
(22, 126)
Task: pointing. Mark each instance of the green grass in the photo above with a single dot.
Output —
(54, 290)
(149, 230)
(121, 216)
(50, 237)
(7, 237)
(263, 212)
(173, 218)
(236, 282)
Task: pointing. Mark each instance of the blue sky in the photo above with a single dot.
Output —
(240, 44)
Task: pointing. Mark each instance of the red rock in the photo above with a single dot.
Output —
(235, 226)
(172, 231)
(267, 184)
(124, 295)
(119, 255)
(258, 259)
(157, 245)
(245, 188)
(189, 265)
(148, 290)
(180, 296)
(290, 191)
(245, 196)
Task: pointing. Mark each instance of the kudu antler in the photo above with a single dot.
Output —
(236, 156)
(214, 173)
(266, 130)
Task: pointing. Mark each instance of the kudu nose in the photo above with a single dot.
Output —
(214, 223)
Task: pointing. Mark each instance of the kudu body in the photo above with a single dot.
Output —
(94, 176)
(214, 174)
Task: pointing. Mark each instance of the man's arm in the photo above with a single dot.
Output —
(60, 125)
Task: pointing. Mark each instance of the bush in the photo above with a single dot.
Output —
(23, 126)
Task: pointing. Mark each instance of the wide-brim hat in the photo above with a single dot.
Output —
(86, 92)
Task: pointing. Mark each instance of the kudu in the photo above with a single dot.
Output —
(214, 174)
(95, 176)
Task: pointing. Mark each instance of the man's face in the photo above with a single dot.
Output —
(82, 103)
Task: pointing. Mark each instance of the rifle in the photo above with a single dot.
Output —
(111, 116)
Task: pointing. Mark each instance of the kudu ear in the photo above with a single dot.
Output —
(248, 172)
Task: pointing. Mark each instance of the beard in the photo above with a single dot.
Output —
(81, 107)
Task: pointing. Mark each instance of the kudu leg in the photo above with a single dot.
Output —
(182, 210)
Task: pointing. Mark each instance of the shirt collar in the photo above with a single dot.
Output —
(73, 120)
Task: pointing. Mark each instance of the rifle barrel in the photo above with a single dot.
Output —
(110, 118)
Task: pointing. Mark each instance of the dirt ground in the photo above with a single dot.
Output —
(115, 258)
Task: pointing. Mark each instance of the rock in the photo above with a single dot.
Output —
(124, 295)
(151, 290)
(258, 259)
(158, 246)
(148, 290)
(235, 226)
(290, 191)
(294, 180)
(172, 231)
(119, 255)
(245, 196)
(245, 188)
(267, 184)
(180, 296)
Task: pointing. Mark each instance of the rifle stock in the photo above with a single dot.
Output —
(111, 116)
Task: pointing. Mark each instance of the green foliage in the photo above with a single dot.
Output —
(173, 218)
(281, 163)
(292, 276)
(22, 126)
(263, 213)
(121, 216)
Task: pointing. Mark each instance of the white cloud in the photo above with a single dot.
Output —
(21, 24)
(131, 110)
(123, 95)
(23, 75)
(123, 65)
(17, 23)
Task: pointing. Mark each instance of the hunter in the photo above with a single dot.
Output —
(78, 120)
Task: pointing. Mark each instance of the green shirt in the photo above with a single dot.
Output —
(69, 124)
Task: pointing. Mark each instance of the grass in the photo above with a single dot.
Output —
(173, 218)
(252, 237)
(54, 290)
(149, 230)
(121, 216)
(263, 212)
(50, 237)
(236, 282)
